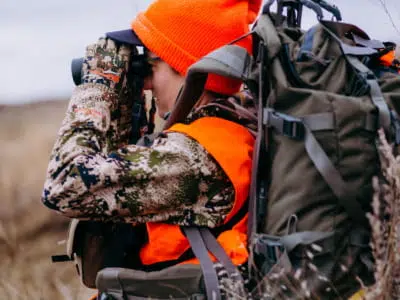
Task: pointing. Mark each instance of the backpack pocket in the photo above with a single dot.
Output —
(183, 281)
(315, 62)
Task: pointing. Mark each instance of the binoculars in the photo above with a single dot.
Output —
(139, 67)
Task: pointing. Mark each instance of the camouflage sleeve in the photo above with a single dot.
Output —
(175, 180)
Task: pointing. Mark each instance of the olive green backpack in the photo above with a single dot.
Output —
(322, 96)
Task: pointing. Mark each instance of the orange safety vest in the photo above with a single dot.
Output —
(231, 145)
(388, 58)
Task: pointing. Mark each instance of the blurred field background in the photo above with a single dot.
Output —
(29, 232)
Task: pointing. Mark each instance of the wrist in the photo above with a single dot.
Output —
(93, 101)
(88, 93)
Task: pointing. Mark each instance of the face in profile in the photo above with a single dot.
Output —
(164, 82)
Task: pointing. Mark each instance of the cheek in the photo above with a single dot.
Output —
(165, 85)
(159, 83)
(159, 89)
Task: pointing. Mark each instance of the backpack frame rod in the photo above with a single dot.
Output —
(295, 10)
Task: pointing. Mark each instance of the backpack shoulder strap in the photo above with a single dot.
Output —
(201, 240)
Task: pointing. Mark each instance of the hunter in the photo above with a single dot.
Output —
(196, 173)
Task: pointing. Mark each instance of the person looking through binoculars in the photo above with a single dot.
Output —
(190, 175)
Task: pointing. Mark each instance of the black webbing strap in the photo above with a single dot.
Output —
(209, 274)
(295, 128)
(375, 91)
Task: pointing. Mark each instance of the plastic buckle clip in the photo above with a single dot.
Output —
(293, 129)
(287, 125)
(270, 249)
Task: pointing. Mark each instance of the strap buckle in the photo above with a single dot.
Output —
(287, 125)
(294, 129)
(270, 249)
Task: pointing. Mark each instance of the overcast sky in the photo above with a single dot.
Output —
(38, 38)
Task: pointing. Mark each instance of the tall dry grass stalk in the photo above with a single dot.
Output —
(385, 222)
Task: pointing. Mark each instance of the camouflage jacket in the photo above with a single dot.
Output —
(93, 174)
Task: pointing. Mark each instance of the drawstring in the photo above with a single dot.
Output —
(166, 115)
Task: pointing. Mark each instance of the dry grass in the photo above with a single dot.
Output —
(29, 232)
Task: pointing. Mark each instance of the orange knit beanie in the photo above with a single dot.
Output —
(182, 31)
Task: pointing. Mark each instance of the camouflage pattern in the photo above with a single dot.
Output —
(106, 63)
(93, 175)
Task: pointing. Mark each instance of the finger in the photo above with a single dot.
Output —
(125, 49)
(91, 50)
(124, 52)
(102, 42)
(110, 45)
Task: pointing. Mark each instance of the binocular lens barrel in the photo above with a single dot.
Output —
(139, 68)
(76, 70)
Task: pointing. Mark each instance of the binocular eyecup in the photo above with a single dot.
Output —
(76, 70)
